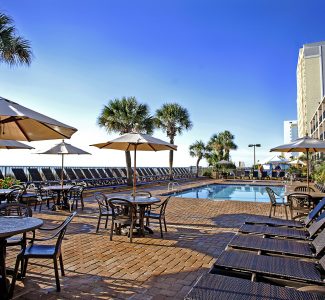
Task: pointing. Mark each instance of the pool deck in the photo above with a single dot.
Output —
(148, 268)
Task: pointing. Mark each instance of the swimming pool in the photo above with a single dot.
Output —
(240, 192)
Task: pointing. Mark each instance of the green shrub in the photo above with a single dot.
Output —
(8, 182)
(207, 173)
(319, 173)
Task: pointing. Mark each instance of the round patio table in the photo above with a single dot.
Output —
(60, 189)
(142, 202)
(10, 226)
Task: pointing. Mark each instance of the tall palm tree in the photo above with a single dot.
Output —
(173, 119)
(14, 50)
(126, 115)
(198, 150)
(227, 139)
(219, 147)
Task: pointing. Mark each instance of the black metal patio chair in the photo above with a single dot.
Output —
(276, 201)
(124, 214)
(104, 209)
(46, 251)
(300, 205)
(158, 212)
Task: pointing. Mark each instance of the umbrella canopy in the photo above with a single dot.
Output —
(276, 160)
(20, 123)
(11, 144)
(62, 149)
(297, 162)
(134, 141)
(305, 144)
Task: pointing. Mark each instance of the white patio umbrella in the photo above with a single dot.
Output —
(62, 149)
(305, 144)
(12, 144)
(134, 141)
(276, 160)
(297, 162)
(23, 124)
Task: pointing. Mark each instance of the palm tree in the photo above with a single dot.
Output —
(219, 147)
(227, 139)
(198, 150)
(126, 115)
(14, 50)
(173, 119)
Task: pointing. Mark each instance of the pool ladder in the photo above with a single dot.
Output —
(172, 185)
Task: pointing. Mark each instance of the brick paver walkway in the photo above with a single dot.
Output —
(148, 268)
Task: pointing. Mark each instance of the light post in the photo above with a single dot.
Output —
(254, 145)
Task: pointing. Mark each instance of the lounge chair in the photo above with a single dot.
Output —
(120, 177)
(290, 223)
(35, 175)
(295, 233)
(20, 175)
(213, 286)
(90, 178)
(71, 174)
(279, 246)
(113, 177)
(49, 175)
(291, 271)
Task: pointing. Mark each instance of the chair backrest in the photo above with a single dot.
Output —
(299, 201)
(87, 173)
(15, 209)
(102, 202)
(71, 174)
(141, 194)
(122, 207)
(109, 173)
(15, 194)
(102, 173)
(20, 174)
(319, 242)
(303, 189)
(94, 173)
(271, 194)
(322, 262)
(58, 172)
(1, 175)
(164, 205)
(316, 226)
(48, 174)
(318, 208)
(61, 230)
(34, 173)
(75, 192)
(79, 173)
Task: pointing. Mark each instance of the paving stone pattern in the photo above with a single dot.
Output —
(148, 268)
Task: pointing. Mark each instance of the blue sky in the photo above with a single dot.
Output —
(232, 64)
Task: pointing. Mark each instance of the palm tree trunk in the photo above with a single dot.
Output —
(171, 159)
(128, 167)
(197, 167)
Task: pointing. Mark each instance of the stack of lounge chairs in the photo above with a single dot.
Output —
(270, 258)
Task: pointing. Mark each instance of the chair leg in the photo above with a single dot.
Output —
(165, 224)
(270, 211)
(57, 279)
(61, 264)
(274, 210)
(82, 203)
(19, 260)
(131, 232)
(161, 230)
(106, 222)
(98, 223)
(112, 228)
(25, 267)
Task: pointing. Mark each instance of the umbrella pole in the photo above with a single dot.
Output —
(134, 171)
(307, 171)
(62, 171)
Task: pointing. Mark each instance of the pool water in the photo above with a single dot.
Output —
(239, 192)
